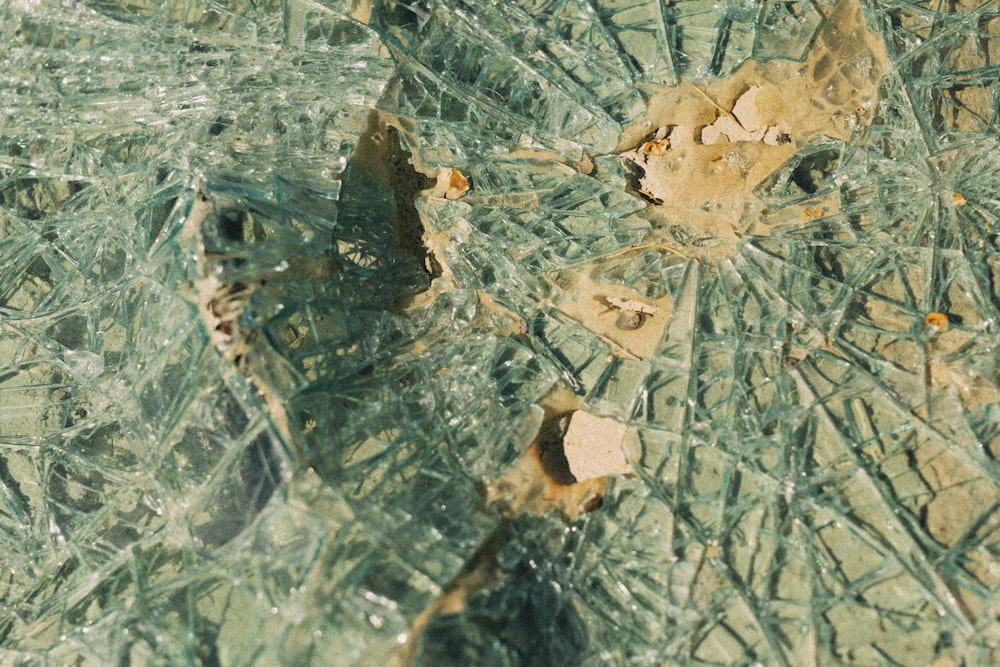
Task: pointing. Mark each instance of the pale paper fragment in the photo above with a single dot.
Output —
(745, 110)
(743, 124)
(593, 446)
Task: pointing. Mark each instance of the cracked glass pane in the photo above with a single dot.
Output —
(521, 332)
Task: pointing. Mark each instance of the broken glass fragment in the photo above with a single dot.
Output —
(785, 29)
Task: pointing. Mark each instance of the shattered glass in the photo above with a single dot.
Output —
(301, 304)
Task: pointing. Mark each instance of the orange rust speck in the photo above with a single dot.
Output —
(939, 320)
(812, 213)
(655, 147)
(958, 200)
(458, 185)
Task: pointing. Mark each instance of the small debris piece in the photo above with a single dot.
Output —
(939, 321)
(745, 110)
(775, 136)
(451, 184)
(632, 305)
(958, 200)
(584, 165)
(744, 124)
(593, 446)
(631, 312)
(639, 163)
(727, 126)
(458, 185)
(658, 145)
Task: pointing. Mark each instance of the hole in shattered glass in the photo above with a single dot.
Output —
(219, 125)
(232, 223)
(813, 171)
(550, 446)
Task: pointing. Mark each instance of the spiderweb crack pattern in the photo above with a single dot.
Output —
(815, 466)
